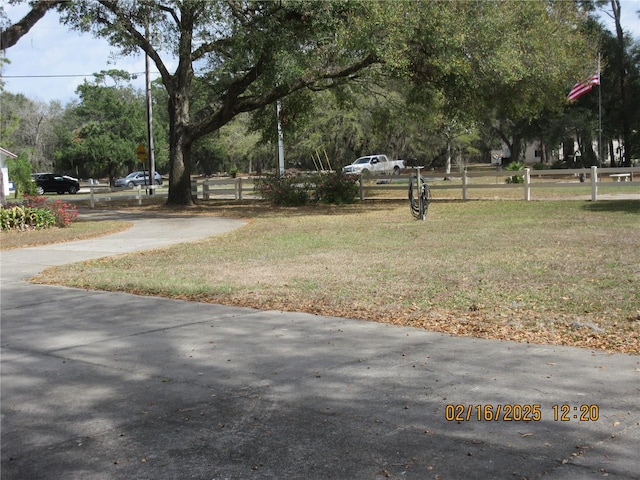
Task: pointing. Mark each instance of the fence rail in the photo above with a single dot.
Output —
(104, 193)
(619, 177)
(373, 187)
(231, 188)
(242, 188)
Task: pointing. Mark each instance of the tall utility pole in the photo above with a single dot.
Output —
(152, 162)
(599, 114)
(280, 142)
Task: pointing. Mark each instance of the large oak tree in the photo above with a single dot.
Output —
(244, 55)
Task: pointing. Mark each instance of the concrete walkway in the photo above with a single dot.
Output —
(100, 385)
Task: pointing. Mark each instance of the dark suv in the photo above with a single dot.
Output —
(53, 182)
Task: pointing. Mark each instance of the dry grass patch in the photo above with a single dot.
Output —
(546, 272)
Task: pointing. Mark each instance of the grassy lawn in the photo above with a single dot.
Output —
(556, 272)
(79, 230)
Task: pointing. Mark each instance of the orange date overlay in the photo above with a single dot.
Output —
(519, 412)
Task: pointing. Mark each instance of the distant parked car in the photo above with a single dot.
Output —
(53, 182)
(138, 178)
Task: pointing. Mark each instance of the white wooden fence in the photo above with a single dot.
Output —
(230, 188)
(387, 185)
(371, 187)
(104, 193)
(594, 177)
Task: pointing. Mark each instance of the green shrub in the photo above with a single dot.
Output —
(541, 166)
(336, 188)
(12, 218)
(43, 218)
(515, 166)
(19, 217)
(285, 190)
(20, 173)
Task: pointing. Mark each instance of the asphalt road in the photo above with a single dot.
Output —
(99, 385)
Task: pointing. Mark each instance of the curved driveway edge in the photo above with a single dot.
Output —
(103, 385)
(149, 231)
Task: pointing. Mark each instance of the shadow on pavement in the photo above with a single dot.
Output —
(109, 385)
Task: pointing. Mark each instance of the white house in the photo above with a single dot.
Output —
(4, 154)
(533, 152)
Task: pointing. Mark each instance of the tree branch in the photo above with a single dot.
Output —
(216, 46)
(234, 104)
(140, 39)
(11, 35)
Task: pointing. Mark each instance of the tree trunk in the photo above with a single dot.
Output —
(180, 176)
(623, 73)
(180, 144)
(180, 133)
(612, 153)
(589, 156)
(516, 148)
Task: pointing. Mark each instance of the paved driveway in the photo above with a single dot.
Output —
(100, 385)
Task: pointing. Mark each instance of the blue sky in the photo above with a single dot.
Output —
(51, 49)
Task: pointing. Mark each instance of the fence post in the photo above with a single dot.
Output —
(139, 195)
(239, 188)
(594, 183)
(527, 184)
(464, 184)
(91, 199)
(361, 188)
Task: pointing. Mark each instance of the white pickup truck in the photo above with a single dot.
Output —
(375, 164)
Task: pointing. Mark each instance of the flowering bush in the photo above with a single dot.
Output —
(35, 201)
(285, 190)
(336, 187)
(37, 213)
(65, 213)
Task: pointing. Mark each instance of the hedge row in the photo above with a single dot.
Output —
(289, 190)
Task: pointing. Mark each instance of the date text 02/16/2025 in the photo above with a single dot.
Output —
(519, 412)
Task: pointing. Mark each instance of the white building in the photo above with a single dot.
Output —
(4, 154)
(533, 152)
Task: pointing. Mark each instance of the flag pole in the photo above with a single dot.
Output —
(599, 115)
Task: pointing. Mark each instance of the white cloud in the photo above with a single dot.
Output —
(52, 61)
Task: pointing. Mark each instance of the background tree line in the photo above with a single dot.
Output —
(432, 85)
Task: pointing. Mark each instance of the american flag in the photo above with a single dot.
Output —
(583, 87)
